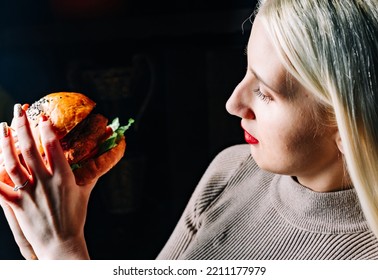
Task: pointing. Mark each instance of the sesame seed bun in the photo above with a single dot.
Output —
(64, 109)
(80, 131)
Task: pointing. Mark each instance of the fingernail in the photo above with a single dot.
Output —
(4, 129)
(17, 111)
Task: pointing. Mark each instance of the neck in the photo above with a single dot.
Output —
(330, 179)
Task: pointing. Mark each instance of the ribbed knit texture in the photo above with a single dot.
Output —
(239, 211)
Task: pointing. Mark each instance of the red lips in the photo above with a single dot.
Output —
(249, 138)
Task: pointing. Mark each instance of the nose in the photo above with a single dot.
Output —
(240, 102)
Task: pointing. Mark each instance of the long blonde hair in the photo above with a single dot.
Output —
(331, 47)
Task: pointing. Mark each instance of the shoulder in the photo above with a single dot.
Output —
(230, 164)
(230, 158)
(237, 152)
(225, 163)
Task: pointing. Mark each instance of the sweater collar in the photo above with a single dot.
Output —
(330, 212)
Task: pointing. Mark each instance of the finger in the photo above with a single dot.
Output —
(15, 140)
(16, 171)
(53, 150)
(28, 147)
(8, 195)
(25, 247)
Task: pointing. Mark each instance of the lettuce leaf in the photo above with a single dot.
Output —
(118, 133)
(112, 141)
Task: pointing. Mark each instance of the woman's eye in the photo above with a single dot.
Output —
(262, 96)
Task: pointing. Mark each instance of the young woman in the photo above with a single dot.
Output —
(305, 185)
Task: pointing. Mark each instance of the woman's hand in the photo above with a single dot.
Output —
(47, 215)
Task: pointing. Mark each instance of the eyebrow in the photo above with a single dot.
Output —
(254, 72)
(261, 80)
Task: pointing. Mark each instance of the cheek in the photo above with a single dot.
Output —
(299, 137)
(276, 129)
(289, 137)
(282, 142)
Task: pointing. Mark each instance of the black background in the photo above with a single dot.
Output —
(171, 65)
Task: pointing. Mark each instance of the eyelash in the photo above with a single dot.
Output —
(262, 96)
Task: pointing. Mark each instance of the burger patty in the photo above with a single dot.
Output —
(83, 140)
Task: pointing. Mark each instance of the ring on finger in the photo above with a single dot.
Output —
(17, 187)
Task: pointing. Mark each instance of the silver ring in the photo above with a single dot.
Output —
(17, 187)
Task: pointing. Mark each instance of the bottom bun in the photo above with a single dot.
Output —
(96, 167)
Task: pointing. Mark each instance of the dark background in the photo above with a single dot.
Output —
(171, 65)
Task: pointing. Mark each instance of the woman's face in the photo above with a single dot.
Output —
(279, 119)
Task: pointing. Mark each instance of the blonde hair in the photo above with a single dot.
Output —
(331, 47)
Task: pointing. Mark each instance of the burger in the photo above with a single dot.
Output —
(91, 145)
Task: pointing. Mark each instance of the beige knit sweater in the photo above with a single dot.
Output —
(239, 211)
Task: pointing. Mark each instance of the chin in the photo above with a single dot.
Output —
(270, 165)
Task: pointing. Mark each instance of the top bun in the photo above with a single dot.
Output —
(64, 109)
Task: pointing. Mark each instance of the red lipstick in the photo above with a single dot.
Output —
(250, 139)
